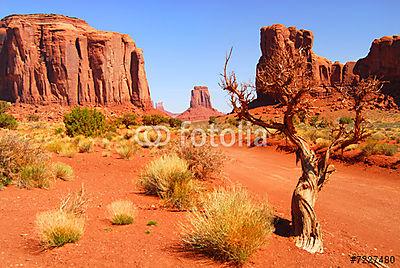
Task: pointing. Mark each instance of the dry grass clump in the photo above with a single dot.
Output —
(125, 150)
(64, 148)
(230, 227)
(85, 146)
(63, 171)
(65, 225)
(376, 148)
(68, 150)
(57, 228)
(36, 175)
(18, 154)
(170, 178)
(204, 161)
(122, 212)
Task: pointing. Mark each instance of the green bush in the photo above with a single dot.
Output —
(175, 122)
(154, 120)
(345, 120)
(8, 121)
(84, 121)
(4, 106)
(128, 120)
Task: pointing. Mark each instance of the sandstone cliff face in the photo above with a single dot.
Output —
(48, 59)
(200, 106)
(276, 38)
(383, 61)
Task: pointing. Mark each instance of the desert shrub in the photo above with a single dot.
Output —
(58, 130)
(204, 161)
(154, 120)
(85, 145)
(33, 118)
(16, 154)
(170, 178)
(4, 106)
(63, 171)
(36, 175)
(122, 212)
(233, 121)
(345, 120)
(375, 148)
(322, 143)
(230, 227)
(57, 228)
(351, 147)
(84, 121)
(151, 223)
(125, 150)
(68, 150)
(129, 134)
(149, 138)
(212, 120)
(8, 121)
(377, 136)
(105, 143)
(128, 120)
(175, 122)
(64, 225)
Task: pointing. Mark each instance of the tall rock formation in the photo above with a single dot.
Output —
(383, 61)
(200, 97)
(47, 59)
(200, 106)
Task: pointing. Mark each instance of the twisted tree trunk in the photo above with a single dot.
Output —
(306, 227)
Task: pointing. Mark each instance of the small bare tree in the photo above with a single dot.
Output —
(287, 77)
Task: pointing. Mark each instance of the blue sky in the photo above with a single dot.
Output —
(185, 42)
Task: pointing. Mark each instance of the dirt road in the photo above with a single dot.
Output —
(359, 209)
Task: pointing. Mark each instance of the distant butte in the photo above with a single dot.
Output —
(200, 106)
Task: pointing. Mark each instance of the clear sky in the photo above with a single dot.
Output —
(185, 42)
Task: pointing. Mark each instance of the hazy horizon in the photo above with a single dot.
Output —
(184, 43)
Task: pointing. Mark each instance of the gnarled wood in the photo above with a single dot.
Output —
(288, 78)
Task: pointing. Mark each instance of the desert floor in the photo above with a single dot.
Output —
(359, 211)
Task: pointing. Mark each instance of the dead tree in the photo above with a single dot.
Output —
(287, 77)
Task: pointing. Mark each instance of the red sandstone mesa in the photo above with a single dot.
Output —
(200, 106)
(382, 61)
(48, 59)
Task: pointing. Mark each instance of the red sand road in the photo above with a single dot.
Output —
(358, 210)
